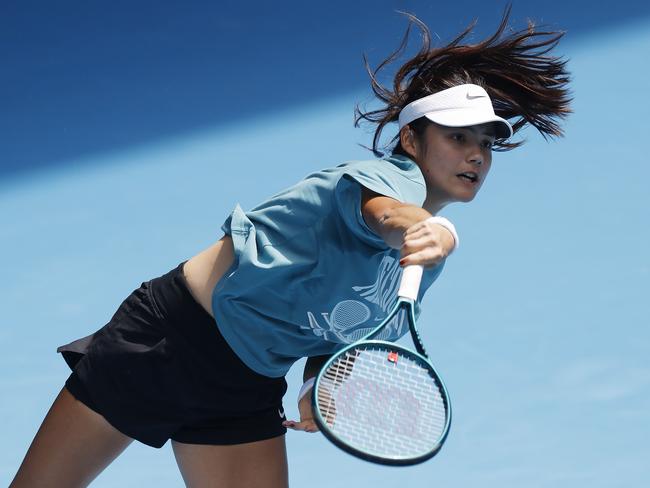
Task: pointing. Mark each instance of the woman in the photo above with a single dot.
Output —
(199, 354)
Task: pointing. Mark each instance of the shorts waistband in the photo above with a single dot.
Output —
(187, 319)
(173, 298)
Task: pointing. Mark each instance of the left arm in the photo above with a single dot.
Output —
(307, 423)
(313, 366)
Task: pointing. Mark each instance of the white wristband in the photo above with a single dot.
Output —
(447, 225)
(303, 391)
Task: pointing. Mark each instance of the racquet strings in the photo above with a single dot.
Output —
(383, 402)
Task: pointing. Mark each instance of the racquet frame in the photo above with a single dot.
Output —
(406, 300)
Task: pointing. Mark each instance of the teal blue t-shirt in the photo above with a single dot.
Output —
(309, 275)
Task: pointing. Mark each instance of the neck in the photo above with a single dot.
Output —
(434, 205)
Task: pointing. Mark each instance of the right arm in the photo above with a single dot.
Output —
(404, 226)
(401, 226)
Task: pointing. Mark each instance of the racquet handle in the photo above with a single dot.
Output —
(410, 284)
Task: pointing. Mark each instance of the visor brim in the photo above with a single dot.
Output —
(464, 118)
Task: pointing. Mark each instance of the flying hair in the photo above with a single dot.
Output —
(523, 80)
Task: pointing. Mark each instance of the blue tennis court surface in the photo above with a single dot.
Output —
(539, 324)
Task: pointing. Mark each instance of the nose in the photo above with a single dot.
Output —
(475, 156)
(477, 160)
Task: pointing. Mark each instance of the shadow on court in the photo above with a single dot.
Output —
(93, 77)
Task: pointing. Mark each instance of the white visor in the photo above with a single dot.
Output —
(460, 106)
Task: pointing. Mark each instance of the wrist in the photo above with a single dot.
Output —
(447, 225)
(306, 387)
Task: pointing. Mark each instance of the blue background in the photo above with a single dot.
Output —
(129, 130)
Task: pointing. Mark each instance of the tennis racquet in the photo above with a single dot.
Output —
(380, 401)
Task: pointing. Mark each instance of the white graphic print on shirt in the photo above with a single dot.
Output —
(347, 320)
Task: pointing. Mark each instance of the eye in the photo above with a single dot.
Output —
(488, 144)
(457, 136)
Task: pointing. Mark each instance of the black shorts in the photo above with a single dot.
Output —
(161, 370)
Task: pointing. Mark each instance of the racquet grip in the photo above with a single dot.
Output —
(410, 284)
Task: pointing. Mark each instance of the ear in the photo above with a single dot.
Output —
(408, 141)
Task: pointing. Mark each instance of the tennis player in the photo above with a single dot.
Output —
(199, 354)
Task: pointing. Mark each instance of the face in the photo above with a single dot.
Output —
(454, 161)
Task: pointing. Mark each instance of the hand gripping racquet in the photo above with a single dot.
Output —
(383, 402)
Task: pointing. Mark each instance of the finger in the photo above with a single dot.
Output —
(425, 257)
(422, 224)
(427, 233)
(309, 426)
(434, 231)
(412, 245)
(305, 425)
(418, 228)
(418, 236)
(289, 424)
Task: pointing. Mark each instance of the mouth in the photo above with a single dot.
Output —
(468, 176)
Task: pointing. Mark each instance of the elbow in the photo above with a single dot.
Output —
(385, 216)
(389, 228)
(389, 225)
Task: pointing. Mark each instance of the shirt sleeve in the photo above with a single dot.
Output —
(399, 179)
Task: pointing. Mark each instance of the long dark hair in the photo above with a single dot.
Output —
(522, 80)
